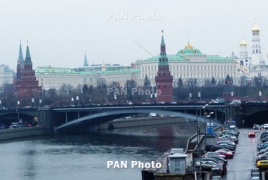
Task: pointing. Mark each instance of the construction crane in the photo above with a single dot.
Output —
(143, 48)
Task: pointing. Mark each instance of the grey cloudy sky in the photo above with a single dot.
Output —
(60, 31)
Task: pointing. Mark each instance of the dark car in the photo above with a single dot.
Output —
(232, 144)
(216, 157)
(212, 148)
(255, 172)
(265, 157)
(219, 170)
(227, 146)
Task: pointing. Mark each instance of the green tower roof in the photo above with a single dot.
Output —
(85, 61)
(162, 40)
(20, 58)
(28, 56)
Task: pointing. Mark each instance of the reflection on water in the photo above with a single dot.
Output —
(80, 156)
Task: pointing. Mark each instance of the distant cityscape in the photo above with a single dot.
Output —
(188, 67)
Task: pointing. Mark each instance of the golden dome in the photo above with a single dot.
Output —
(188, 46)
(255, 28)
(243, 43)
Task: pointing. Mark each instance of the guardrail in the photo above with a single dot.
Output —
(187, 150)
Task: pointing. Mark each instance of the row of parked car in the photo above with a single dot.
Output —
(214, 158)
(255, 173)
(262, 147)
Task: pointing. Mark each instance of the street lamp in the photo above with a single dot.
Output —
(115, 99)
(77, 98)
(72, 99)
(199, 95)
(40, 102)
(1, 91)
(210, 124)
(260, 95)
(151, 97)
(18, 114)
(33, 103)
(190, 96)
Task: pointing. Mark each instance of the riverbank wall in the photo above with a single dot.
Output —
(7, 134)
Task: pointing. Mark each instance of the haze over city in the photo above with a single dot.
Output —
(59, 32)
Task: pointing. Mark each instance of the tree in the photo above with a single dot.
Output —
(180, 83)
(146, 82)
(130, 85)
(213, 81)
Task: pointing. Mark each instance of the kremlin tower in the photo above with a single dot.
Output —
(25, 81)
(164, 79)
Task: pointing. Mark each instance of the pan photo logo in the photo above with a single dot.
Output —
(133, 16)
(132, 164)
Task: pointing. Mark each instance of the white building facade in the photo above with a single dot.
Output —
(6, 75)
(191, 63)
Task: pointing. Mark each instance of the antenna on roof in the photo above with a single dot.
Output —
(143, 48)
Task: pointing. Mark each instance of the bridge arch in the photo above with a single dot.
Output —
(99, 118)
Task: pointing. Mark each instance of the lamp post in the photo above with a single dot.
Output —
(33, 99)
(40, 102)
(1, 91)
(199, 95)
(260, 95)
(151, 98)
(190, 96)
(39, 97)
(155, 95)
(115, 99)
(33, 103)
(78, 102)
(72, 99)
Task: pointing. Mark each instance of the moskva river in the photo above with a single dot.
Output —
(81, 157)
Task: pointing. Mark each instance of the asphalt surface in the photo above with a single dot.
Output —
(239, 167)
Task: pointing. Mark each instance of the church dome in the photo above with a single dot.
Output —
(255, 28)
(188, 46)
(243, 43)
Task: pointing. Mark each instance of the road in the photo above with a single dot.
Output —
(246, 151)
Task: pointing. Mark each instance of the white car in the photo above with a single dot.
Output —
(265, 126)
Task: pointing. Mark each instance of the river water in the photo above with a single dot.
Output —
(80, 157)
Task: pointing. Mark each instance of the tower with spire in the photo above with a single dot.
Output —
(163, 78)
(85, 60)
(20, 63)
(26, 83)
(256, 47)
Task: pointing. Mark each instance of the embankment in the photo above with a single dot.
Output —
(7, 134)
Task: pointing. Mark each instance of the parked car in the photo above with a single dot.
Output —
(216, 178)
(262, 164)
(254, 171)
(219, 170)
(255, 178)
(257, 127)
(207, 165)
(217, 157)
(227, 146)
(228, 154)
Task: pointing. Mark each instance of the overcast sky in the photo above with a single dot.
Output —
(60, 31)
